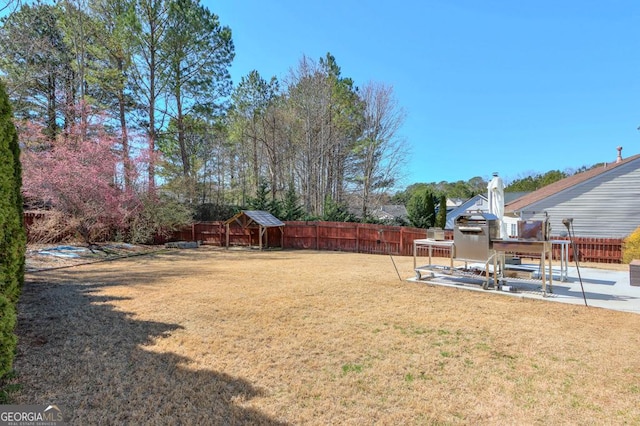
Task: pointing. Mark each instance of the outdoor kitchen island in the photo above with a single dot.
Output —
(430, 270)
(473, 237)
(540, 248)
(495, 258)
(476, 238)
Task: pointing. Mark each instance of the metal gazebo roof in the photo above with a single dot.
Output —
(263, 219)
(258, 216)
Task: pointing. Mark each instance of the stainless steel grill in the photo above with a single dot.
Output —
(534, 230)
(473, 234)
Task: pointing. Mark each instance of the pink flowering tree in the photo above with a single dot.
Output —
(76, 176)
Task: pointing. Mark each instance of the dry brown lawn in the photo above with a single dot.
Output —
(210, 336)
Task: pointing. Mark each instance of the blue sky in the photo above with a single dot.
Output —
(488, 86)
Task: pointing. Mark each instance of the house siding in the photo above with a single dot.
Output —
(606, 206)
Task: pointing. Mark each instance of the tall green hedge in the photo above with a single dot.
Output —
(12, 232)
(421, 208)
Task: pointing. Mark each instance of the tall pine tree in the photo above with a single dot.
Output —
(292, 209)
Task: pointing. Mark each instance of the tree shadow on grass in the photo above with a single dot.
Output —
(75, 350)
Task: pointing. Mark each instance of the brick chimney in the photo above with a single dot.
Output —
(619, 159)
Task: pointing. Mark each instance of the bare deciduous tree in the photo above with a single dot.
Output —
(380, 153)
(325, 115)
(11, 6)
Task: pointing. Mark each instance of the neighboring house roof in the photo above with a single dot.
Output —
(390, 211)
(512, 196)
(454, 202)
(397, 210)
(479, 202)
(563, 184)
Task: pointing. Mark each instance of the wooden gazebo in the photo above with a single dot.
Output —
(256, 219)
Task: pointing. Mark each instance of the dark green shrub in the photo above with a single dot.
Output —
(263, 200)
(209, 212)
(12, 232)
(336, 212)
(441, 215)
(421, 208)
(8, 340)
(291, 208)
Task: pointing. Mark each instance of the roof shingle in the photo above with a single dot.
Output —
(561, 185)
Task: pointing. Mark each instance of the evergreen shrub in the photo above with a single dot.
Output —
(12, 232)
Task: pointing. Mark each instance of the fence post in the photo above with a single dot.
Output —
(604, 250)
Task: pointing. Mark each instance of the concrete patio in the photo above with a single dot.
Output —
(602, 288)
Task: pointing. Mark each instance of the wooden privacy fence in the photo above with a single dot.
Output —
(31, 217)
(356, 237)
(601, 250)
(369, 238)
(353, 237)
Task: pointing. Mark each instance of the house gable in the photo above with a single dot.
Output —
(604, 202)
(477, 203)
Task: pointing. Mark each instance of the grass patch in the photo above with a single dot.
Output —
(212, 336)
(352, 368)
(8, 387)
